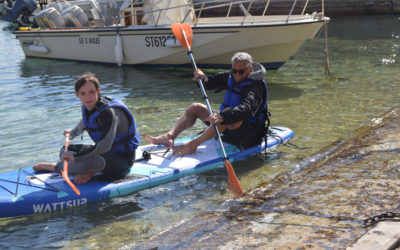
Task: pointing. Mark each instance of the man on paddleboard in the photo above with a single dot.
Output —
(110, 125)
(242, 115)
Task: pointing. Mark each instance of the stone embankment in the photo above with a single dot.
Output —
(324, 203)
(340, 7)
(332, 7)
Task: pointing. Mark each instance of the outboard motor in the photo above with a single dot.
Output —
(9, 3)
(21, 7)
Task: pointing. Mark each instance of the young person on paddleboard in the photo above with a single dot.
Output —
(243, 113)
(110, 125)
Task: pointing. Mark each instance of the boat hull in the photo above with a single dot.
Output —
(271, 44)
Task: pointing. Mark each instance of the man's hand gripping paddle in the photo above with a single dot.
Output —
(183, 32)
(64, 173)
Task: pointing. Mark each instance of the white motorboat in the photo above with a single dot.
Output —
(140, 33)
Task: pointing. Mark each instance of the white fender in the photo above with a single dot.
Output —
(119, 54)
(38, 49)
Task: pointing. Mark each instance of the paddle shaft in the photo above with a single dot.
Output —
(66, 150)
(205, 97)
(64, 173)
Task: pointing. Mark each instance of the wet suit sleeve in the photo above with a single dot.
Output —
(253, 100)
(108, 122)
(217, 81)
(78, 130)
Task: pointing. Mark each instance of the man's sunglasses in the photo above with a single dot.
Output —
(240, 71)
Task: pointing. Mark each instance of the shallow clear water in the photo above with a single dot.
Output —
(37, 103)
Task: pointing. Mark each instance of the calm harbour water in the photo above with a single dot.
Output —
(37, 103)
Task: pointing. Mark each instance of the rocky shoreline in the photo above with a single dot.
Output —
(323, 203)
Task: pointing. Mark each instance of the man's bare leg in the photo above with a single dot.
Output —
(195, 110)
(191, 146)
(164, 139)
(43, 166)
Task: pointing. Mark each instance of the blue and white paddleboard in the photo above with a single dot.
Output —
(24, 191)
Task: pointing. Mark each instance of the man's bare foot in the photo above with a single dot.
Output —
(83, 177)
(164, 139)
(185, 149)
(43, 166)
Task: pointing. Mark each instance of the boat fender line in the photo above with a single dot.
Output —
(172, 43)
(38, 49)
(119, 56)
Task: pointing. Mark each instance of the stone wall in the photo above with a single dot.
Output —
(332, 7)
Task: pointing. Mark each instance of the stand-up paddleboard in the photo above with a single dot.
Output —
(25, 191)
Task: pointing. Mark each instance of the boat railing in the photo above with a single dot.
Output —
(291, 10)
(240, 4)
(199, 8)
(246, 12)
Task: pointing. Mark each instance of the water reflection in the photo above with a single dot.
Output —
(283, 91)
(376, 27)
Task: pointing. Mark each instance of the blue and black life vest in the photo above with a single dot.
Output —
(232, 99)
(122, 142)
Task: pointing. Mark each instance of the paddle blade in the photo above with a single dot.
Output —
(183, 32)
(233, 182)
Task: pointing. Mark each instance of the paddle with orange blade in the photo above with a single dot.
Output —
(64, 173)
(183, 32)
